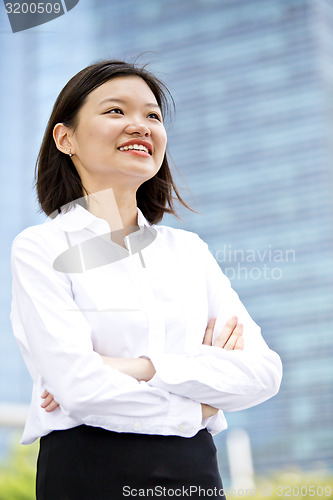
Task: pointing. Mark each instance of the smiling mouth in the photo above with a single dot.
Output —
(136, 148)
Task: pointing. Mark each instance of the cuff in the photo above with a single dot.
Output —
(185, 416)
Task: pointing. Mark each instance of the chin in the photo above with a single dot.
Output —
(144, 172)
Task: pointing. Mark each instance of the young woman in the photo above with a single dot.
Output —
(135, 341)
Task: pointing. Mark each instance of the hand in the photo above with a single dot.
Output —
(49, 404)
(142, 369)
(230, 338)
(138, 368)
(208, 411)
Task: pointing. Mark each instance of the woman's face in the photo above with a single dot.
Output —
(120, 138)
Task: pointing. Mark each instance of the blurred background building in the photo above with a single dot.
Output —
(252, 139)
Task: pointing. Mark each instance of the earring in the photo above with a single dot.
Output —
(69, 153)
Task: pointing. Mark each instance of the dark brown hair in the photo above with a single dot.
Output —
(57, 181)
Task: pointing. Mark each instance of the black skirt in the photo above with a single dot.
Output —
(90, 463)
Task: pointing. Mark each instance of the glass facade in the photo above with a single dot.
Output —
(252, 81)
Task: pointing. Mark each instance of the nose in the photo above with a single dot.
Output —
(139, 128)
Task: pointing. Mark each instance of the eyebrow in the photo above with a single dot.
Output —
(122, 101)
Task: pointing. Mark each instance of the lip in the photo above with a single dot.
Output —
(139, 142)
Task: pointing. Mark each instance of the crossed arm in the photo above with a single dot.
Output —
(142, 369)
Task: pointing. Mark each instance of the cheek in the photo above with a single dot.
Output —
(101, 135)
(97, 134)
(162, 142)
(160, 157)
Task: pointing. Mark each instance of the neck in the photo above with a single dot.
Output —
(118, 209)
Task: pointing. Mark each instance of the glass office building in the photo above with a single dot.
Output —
(252, 81)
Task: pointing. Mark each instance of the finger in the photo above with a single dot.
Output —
(236, 334)
(52, 406)
(226, 332)
(48, 400)
(231, 342)
(208, 337)
(239, 344)
(45, 394)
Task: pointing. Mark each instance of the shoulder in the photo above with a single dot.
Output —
(40, 235)
(181, 238)
(173, 233)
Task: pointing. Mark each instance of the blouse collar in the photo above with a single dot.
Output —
(78, 218)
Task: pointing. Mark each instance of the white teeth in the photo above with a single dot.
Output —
(138, 147)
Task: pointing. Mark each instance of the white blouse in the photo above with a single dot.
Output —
(76, 295)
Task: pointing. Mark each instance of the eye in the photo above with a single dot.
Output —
(117, 111)
(155, 116)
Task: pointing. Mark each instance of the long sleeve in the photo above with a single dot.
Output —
(228, 380)
(56, 342)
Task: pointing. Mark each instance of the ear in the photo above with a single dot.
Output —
(62, 138)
